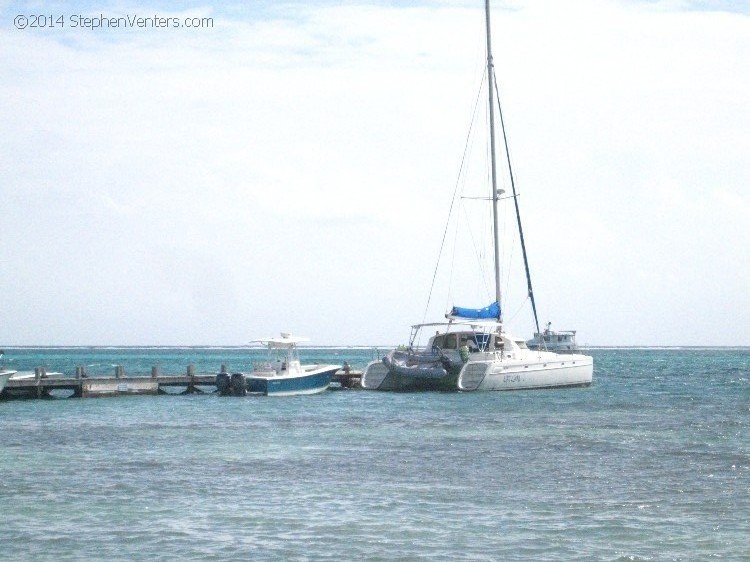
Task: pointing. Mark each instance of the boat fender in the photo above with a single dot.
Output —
(238, 385)
(223, 384)
(464, 351)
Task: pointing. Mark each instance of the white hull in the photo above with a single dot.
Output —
(27, 375)
(4, 376)
(568, 349)
(542, 370)
(536, 370)
(373, 375)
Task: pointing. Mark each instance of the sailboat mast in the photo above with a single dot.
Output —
(518, 218)
(491, 87)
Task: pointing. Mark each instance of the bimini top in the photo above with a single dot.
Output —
(283, 341)
(462, 323)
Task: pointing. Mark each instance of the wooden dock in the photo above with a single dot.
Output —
(42, 385)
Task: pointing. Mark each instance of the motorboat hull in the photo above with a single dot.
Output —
(567, 349)
(311, 382)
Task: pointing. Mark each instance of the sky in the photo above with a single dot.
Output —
(291, 166)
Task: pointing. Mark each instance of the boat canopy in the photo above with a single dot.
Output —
(489, 311)
(285, 341)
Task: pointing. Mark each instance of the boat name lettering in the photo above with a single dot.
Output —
(512, 378)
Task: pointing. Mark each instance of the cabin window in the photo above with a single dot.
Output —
(469, 339)
(521, 344)
(438, 342)
(482, 341)
(451, 341)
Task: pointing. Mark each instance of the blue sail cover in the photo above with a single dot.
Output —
(491, 311)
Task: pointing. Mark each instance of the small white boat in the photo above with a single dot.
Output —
(5, 377)
(560, 341)
(281, 374)
(31, 375)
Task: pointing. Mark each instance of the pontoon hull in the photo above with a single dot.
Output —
(560, 372)
(377, 376)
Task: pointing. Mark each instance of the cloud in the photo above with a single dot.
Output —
(292, 168)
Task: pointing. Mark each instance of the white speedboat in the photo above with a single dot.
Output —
(30, 375)
(5, 377)
(5, 374)
(282, 374)
(471, 349)
(559, 341)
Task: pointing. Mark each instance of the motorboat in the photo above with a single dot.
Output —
(5, 374)
(281, 374)
(560, 341)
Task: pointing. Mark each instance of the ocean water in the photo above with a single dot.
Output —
(652, 462)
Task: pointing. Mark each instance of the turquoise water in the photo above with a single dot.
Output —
(652, 462)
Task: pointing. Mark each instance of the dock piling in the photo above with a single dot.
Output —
(191, 388)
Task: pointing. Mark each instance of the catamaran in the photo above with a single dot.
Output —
(472, 349)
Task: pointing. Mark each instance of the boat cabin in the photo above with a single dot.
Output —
(282, 358)
(557, 337)
(562, 340)
(456, 340)
(477, 338)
